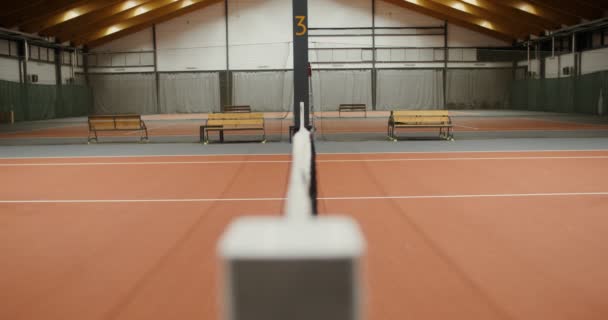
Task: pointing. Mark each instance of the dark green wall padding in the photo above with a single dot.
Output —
(572, 95)
(41, 102)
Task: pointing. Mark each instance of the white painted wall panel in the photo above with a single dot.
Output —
(45, 71)
(195, 41)
(339, 13)
(594, 60)
(9, 69)
(552, 69)
(260, 34)
(391, 15)
(462, 37)
(567, 60)
(138, 41)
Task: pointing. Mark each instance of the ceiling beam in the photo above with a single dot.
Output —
(15, 7)
(576, 8)
(540, 11)
(67, 29)
(44, 23)
(118, 21)
(46, 8)
(138, 25)
(500, 22)
(454, 16)
(597, 4)
(513, 14)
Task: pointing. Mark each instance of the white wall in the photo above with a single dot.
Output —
(45, 71)
(594, 60)
(391, 15)
(552, 67)
(138, 41)
(462, 37)
(9, 69)
(195, 41)
(260, 33)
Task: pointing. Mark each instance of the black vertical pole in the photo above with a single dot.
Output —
(59, 110)
(25, 103)
(374, 71)
(228, 99)
(300, 60)
(446, 50)
(156, 75)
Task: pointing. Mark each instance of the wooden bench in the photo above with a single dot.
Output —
(128, 122)
(357, 107)
(421, 119)
(221, 122)
(237, 109)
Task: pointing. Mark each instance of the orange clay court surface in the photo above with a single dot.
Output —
(277, 125)
(490, 235)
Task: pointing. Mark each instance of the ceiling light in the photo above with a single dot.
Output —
(527, 8)
(71, 14)
(486, 24)
(129, 4)
(112, 29)
(473, 2)
(140, 10)
(412, 1)
(459, 6)
(186, 3)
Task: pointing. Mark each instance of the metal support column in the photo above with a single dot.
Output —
(25, 56)
(58, 80)
(445, 65)
(300, 61)
(228, 77)
(156, 76)
(85, 69)
(374, 70)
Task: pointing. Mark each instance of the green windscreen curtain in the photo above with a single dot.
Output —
(583, 94)
(40, 102)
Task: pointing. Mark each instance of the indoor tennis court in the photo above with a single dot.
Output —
(305, 159)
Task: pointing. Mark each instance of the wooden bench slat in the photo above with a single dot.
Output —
(127, 122)
(235, 116)
(421, 113)
(232, 121)
(420, 119)
(410, 119)
(252, 122)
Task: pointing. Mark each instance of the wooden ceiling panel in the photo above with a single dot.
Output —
(95, 21)
(43, 9)
(541, 11)
(82, 23)
(458, 17)
(119, 21)
(42, 24)
(518, 16)
(135, 26)
(578, 9)
(498, 21)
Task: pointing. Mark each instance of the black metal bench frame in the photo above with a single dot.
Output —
(204, 132)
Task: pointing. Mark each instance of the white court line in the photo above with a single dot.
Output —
(454, 196)
(138, 163)
(289, 154)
